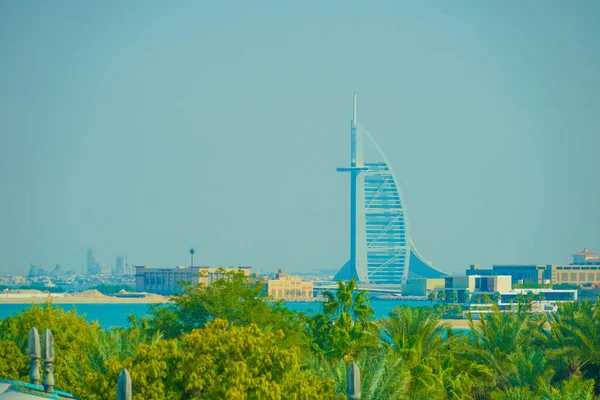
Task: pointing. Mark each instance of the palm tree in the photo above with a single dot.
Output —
(496, 297)
(441, 295)
(431, 296)
(346, 301)
(453, 296)
(421, 341)
(573, 388)
(542, 297)
(575, 332)
(466, 297)
(502, 344)
(345, 328)
(385, 376)
(529, 296)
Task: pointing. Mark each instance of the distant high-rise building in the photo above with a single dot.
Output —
(92, 263)
(121, 267)
(36, 271)
(381, 250)
(95, 267)
(57, 270)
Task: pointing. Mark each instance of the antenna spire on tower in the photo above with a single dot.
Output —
(354, 117)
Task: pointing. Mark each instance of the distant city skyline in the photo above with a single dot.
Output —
(144, 129)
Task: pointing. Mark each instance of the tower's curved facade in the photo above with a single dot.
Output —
(381, 251)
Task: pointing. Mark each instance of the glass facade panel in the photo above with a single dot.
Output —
(387, 251)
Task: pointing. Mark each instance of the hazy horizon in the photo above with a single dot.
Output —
(142, 129)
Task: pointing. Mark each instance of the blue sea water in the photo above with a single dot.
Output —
(112, 315)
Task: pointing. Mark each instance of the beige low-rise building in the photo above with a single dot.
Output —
(422, 287)
(575, 274)
(479, 284)
(585, 268)
(289, 287)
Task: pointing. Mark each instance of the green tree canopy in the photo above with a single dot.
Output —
(71, 334)
(12, 361)
(441, 295)
(238, 299)
(219, 361)
(345, 327)
(453, 296)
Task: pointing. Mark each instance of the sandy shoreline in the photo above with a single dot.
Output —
(153, 299)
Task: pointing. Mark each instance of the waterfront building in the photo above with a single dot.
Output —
(422, 286)
(550, 296)
(584, 269)
(575, 274)
(475, 269)
(475, 284)
(209, 275)
(536, 274)
(166, 281)
(586, 257)
(381, 251)
(289, 287)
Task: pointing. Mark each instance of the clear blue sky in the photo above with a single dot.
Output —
(145, 127)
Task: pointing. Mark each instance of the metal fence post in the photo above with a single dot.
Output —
(35, 353)
(353, 382)
(48, 358)
(124, 386)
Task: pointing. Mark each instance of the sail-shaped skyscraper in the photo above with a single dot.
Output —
(381, 251)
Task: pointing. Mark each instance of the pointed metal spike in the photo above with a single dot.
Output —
(354, 113)
(48, 358)
(48, 348)
(353, 382)
(33, 344)
(124, 386)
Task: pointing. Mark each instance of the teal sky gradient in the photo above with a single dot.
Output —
(145, 127)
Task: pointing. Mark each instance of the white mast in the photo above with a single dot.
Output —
(354, 119)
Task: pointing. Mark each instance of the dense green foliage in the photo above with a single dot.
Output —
(345, 328)
(12, 360)
(219, 361)
(229, 340)
(238, 299)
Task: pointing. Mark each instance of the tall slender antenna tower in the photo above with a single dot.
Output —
(192, 251)
(356, 267)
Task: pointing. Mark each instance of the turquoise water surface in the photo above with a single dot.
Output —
(109, 315)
